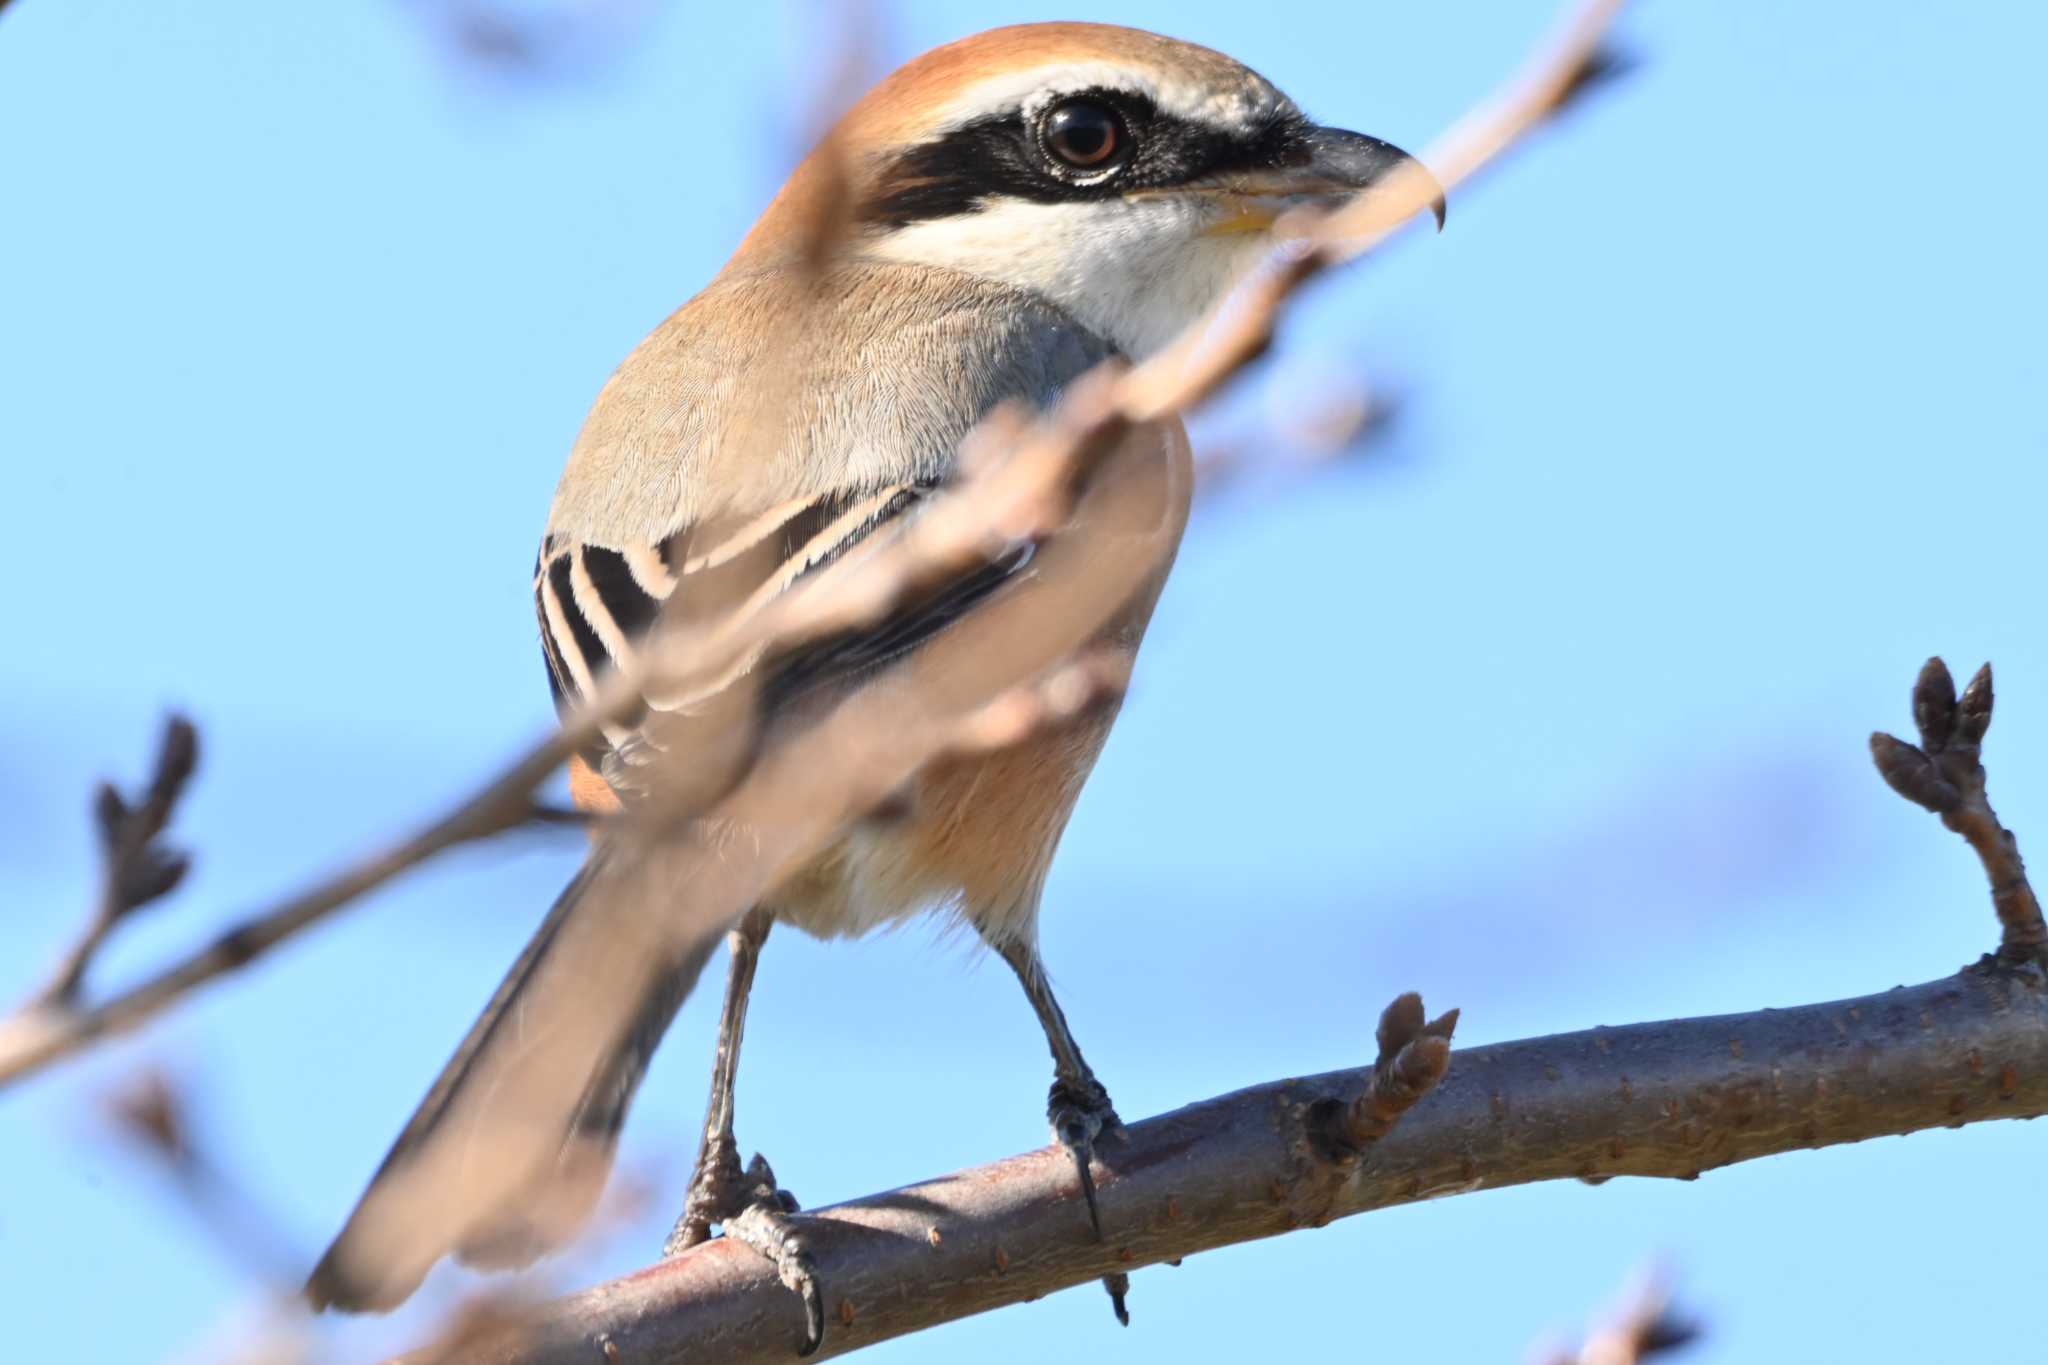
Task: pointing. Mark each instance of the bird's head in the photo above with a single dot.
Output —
(1126, 176)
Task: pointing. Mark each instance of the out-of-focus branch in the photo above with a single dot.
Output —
(1575, 59)
(154, 1114)
(136, 867)
(1672, 1099)
(45, 1030)
(1211, 351)
(1018, 498)
(1303, 431)
(527, 45)
(1642, 1327)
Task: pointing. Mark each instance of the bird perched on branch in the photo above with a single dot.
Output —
(988, 224)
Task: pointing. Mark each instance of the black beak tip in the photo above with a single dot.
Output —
(1439, 205)
(1361, 160)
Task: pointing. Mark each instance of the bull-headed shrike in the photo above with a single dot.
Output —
(1014, 209)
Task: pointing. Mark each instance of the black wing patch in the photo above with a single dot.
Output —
(630, 605)
(583, 639)
(840, 657)
(596, 602)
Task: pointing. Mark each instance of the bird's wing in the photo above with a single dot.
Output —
(597, 602)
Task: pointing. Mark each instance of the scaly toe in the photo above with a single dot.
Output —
(780, 1239)
(719, 1190)
(755, 1211)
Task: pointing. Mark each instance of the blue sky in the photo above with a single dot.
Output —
(1722, 413)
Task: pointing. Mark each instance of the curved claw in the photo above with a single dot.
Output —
(775, 1236)
(1083, 1153)
(814, 1311)
(1077, 1120)
(1118, 1285)
(1080, 1113)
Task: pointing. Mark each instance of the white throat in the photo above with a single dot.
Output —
(1136, 271)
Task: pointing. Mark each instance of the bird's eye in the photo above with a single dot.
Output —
(1084, 135)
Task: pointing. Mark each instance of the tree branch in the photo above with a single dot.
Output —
(1672, 1099)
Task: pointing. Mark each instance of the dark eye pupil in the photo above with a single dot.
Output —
(1082, 133)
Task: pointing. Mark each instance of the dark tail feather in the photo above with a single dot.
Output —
(509, 1150)
(524, 1231)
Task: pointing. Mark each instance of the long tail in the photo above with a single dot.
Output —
(509, 1150)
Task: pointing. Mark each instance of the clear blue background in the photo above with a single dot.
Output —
(1724, 411)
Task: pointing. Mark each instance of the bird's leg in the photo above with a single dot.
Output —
(718, 1185)
(745, 1202)
(1078, 1107)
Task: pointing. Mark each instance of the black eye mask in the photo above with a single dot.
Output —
(1003, 157)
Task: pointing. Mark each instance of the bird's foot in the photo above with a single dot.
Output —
(720, 1190)
(749, 1207)
(1080, 1113)
(776, 1235)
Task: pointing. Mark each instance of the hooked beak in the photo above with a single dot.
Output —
(1340, 165)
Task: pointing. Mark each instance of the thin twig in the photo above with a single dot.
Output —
(1412, 1059)
(1945, 774)
(136, 869)
(41, 1033)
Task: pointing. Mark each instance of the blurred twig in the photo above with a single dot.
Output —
(48, 1027)
(1212, 350)
(526, 44)
(155, 1115)
(1302, 429)
(1643, 1326)
(135, 867)
(1577, 59)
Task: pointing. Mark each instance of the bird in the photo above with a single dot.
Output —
(986, 226)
